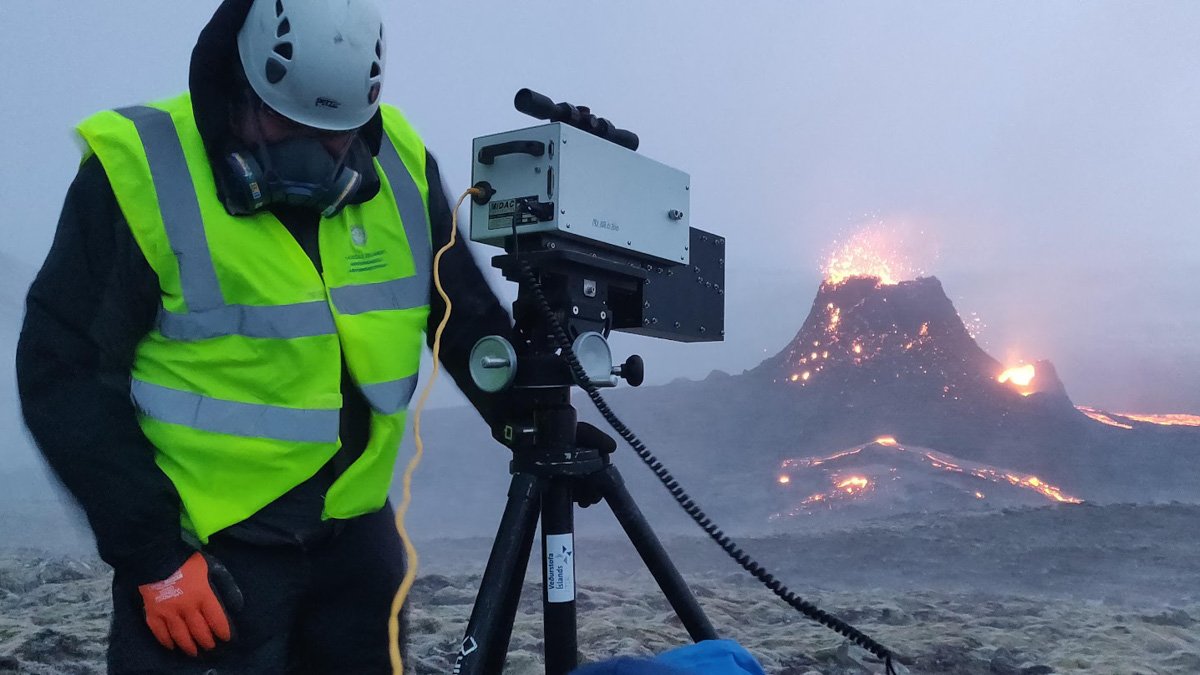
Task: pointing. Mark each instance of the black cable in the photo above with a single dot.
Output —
(681, 497)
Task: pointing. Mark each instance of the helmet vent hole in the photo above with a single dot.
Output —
(376, 70)
(275, 70)
(278, 7)
(379, 49)
(285, 27)
(284, 49)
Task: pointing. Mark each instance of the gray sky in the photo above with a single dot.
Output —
(1047, 152)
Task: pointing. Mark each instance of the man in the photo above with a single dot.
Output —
(219, 351)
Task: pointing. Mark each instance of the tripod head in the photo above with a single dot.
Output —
(565, 290)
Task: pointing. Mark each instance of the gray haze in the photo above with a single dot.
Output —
(1042, 157)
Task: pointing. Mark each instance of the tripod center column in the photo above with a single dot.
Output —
(558, 577)
(556, 429)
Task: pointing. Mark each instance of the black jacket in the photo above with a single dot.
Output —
(96, 297)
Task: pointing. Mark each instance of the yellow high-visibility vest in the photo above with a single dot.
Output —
(239, 385)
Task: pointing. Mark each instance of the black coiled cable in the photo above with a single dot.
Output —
(681, 497)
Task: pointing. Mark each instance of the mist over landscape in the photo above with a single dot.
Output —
(1028, 175)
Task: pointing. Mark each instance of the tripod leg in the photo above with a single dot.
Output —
(654, 555)
(485, 646)
(558, 578)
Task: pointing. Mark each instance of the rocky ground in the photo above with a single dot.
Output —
(1059, 590)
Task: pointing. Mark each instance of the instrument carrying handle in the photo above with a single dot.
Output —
(489, 153)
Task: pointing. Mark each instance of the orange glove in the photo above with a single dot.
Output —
(183, 610)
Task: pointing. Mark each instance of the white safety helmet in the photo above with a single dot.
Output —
(317, 62)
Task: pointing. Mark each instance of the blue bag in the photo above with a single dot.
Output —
(711, 657)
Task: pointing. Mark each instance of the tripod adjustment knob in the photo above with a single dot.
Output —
(493, 364)
(592, 352)
(633, 370)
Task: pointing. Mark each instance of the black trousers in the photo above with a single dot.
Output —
(314, 610)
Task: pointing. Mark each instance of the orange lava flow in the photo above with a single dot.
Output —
(1166, 420)
(1036, 483)
(853, 483)
(855, 486)
(1122, 419)
(1103, 418)
(817, 461)
(842, 488)
(835, 317)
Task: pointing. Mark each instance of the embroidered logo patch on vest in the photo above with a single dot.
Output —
(364, 261)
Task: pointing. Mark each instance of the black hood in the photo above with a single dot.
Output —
(213, 81)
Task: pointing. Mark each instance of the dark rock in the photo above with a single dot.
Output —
(51, 646)
(430, 583)
(425, 625)
(894, 616)
(1006, 662)
(799, 664)
(59, 571)
(951, 659)
(851, 660)
(1010, 662)
(1172, 617)
(452, 596)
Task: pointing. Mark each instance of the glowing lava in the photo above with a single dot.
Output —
(1167, 420)
(1021, 375)
(1020, 378)
(835, 317)
(1125, 420)
(1035, 483)
(853, 484)
(868, 253)
(843, 488)
(879, 469)
(1103, 418)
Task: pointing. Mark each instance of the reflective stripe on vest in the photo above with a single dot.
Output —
(236, 419)
(390, 397)
(179, 206)
(208, 315)
(277, 321)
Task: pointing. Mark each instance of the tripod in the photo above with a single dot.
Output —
(551, 473)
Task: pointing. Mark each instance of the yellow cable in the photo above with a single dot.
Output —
(410, 551)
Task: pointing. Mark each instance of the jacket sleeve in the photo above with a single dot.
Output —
(93, 301)
(477, 311)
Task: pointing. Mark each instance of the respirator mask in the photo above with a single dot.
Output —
(297, 172)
